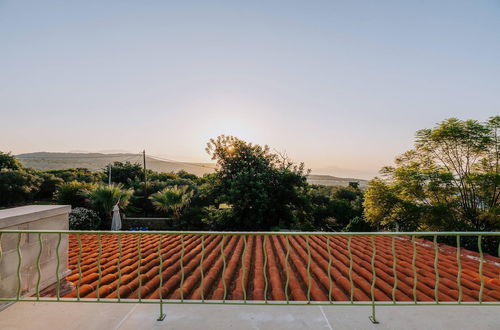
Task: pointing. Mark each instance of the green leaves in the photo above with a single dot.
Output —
(451, 176)
(263, 188)
(173, 199)
(103, 197)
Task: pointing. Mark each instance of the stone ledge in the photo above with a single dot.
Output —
(24, 214)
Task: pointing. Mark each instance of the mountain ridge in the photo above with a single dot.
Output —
(96, 161)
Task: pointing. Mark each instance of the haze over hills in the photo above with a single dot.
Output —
(98, 161)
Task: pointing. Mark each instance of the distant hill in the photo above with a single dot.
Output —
(98, 161)
(329, 180)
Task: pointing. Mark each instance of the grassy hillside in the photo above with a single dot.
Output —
(328, 180)
(97, 161)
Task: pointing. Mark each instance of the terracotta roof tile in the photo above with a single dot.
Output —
(257, 256)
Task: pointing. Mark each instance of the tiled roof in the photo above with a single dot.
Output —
(257, 256)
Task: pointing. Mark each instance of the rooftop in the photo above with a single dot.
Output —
(246, 259)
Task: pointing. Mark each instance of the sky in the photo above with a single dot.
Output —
(339, 85)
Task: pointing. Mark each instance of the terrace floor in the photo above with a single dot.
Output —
(28, 315)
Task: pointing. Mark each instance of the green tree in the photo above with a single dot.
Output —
(263, 190)
(173, 199)
(103, 198)
(73, 193)
(49, 184)
(332, 208)
(17, 184)
(448, 181)
(124, 173)
(7, 161)
(358, 224)
(77, 174)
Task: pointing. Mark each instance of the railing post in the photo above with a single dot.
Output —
(162, 314)
(374, 278)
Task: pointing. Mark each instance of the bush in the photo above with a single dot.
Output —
(358, 224)
(49, 185)
(83, 219)
(103, 198)
(218, 219)
(76, 174)
(72, 193)
(17, 186)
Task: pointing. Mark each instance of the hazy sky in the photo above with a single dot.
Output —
(334, 84)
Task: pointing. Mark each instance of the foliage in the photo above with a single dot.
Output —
(76, 174)
(18, 186)
(72, 193)
(173, 199)
(358, 224)
(83, 219)
(49, 184)
(103, 198)
(263, 189)
(448, 181)
(161, 176)
(124, 173)
(188, 176)
(9, 162)
(216, 218)
(332, 208)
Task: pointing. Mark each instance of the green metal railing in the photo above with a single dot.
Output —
(297, 268)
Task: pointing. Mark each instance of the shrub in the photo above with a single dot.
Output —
(173, 199)
(218, 219)
(72, 193)
(83, 219)
(358, 224)
(104, 197)
(17, 186)
(49, 184)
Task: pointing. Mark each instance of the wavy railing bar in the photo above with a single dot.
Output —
(261, 268)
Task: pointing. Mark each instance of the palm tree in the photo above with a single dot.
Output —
(104, 197)
(173, 199)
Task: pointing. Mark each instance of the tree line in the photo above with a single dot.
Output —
(252, 189)
(449, 181)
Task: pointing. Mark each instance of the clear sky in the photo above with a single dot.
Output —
(336, 84)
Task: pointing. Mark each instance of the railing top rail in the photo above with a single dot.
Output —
(266, 233)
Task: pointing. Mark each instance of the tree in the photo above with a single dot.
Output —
(262, 189)
(7, 161)
(49, 184)
(333, 208)
(448, 181)
(77, 174)
(124, 173)
(103, 198)
(173, 199)
(17, 184)
(358, 224)
(73, 193)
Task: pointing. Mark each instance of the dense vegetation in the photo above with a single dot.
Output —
(252, 189)
(448, 182)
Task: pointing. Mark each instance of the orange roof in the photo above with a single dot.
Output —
(245, 268)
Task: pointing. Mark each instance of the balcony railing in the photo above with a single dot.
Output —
(253, 268)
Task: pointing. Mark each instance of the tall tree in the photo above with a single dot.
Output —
(262, 189)
(451, 177)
